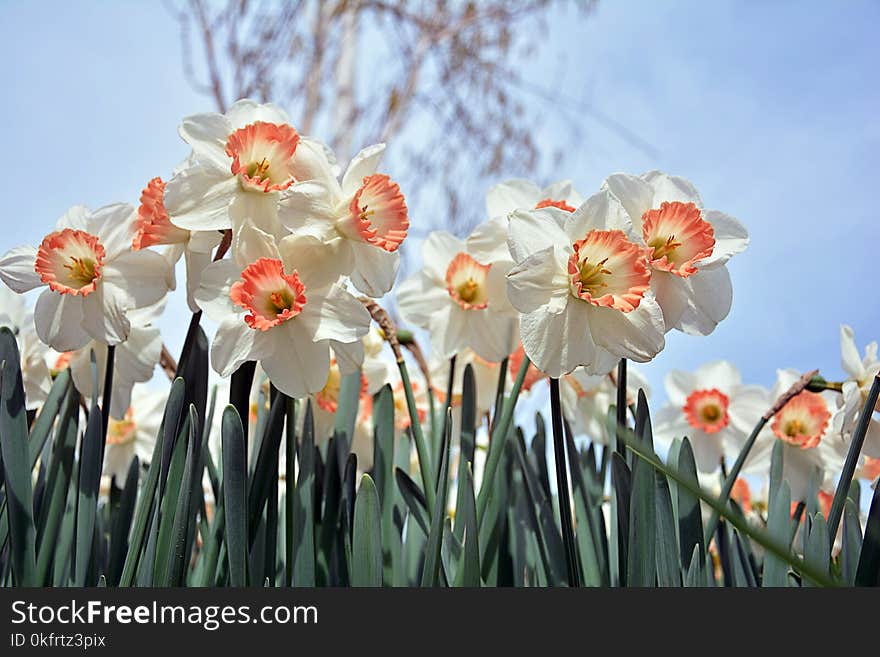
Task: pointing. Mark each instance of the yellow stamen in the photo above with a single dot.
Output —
(664, 248)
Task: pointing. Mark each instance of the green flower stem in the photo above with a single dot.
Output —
(562, 487)
(498, 441)
(418, 437)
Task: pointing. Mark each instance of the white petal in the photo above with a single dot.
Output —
(719, 374)
(731, 237)
(438, 249)
(76, 217)
(334, 314)
(448, 327)
(708, 450)
(558, 343)
(496, 288)
(679, 385)
(144, 277)
(246, 111)
(302, 366)
(362, 165)
(251, 244)
(668, 424)
(375, 269)
(849, 352)
(492, 336)
(711, 296)
(310, 162)
(871, 448)
(634, 193)
(310, 207)
(534, 231)
(114, 225)
(318, 263)
(747, 406)
(17, 269)
(104, 315)
(488, 241)
(236, 343)
(671, 188)
(58, 320)
(207, 134)
(602, 211)
(256, 208)
(419, 297)
(212, 296)
(637, 335)
(539, 280)
(673, 295)
(196, 262)
(117, 460)
(135, 361)
(204, 241)
(198, 198)
(505, 197)
(349, 356)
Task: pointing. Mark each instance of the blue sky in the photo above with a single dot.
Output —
(771, 109)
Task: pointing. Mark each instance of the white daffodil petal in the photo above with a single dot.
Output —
(492, 336)
(334, 314)
(349, 356)
(58, 320)
(362, 165)
(538, 281)
(731, 237)
(76, 218)
(672, 293)
(635, 195)
(711, 297)
(114, 225)
(198, 198)
(17, 269)
(448, 326)
(488, 241)
(535, 231)
(235, 343)
(310, 207)
(375, 269)
(671, 188)
(601, 211)
(637, 335)
(419, 298)
(438, 249)
(318, 263)
(849, 353)
(304, 367)
(212, 295)
(516, 194)
(558, 342)
(142, 277)
(207, 135)
(104, 316)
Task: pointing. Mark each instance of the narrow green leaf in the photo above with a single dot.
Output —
(468, 571)
(347, 407)
(818, 553)
(173, 489)
(87, 500)
(266, 467)
(179, 557)
(45, 420)
(431, 571)
(666, 547)
(366, 567)
(779, 526)
(414, 499)
(16, 463)
(641, 546)
(690, 517)
(621, 482)
(235, 495)
(122, 523)
(304, 508)
(145, 511)
(851, 543)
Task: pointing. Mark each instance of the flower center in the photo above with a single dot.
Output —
(706, 410)
(70, 261)
(466, 282)
(262, 156)
(803, 420)
(677, 237)
(271, 296)
(153, 225)
(121, 432)
(552, 203)
(606, 269)
(377, 213)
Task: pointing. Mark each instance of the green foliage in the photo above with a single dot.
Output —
(284, 506)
